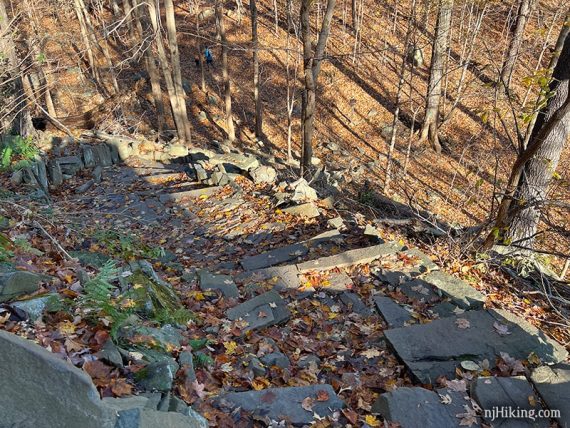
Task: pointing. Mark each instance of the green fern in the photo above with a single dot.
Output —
(17, 151)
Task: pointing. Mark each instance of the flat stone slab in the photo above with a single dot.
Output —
(355, 303)
(421, 408)
(189, 194)
(460, 292)
(264, 310)
(394, 314)
(422, 262)
(435, 349)
(350, 258)
(418, 289)
(286, 277)
(275, 257)
(506, 392)
(17, 283)
(553, 385)
(223, 283)
(285, 404)
(308, 210)
(38, 389)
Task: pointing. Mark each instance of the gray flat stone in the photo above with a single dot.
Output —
(420, 408)
(394, 314)
(275, 257)
(422, 262)
(270, 305)
(339, 282)
(350, 258)
(308, 210)
(501, 392)
(446, 309)
(18, 283)
(287, 277)
(157, 376)
(276, 359)
(285, 404)
(224, 283)
(355, 303)
(460, 292)
(553, 385)
(38, 389)
(435, 349)
(189, 194)
(391, 277)
(418, 289)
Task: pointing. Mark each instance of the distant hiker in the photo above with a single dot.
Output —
(208, 56)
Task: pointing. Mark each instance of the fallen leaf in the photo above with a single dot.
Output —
(372, 421)
(120, 387)
(502, 329)
(307, 404)
(322, 395)
(462, 323)
(371, 353)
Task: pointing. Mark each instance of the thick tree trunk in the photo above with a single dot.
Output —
(175, 64)
(520, 210)
(439, 53)
(225, 74)
(256, 82)
(178, 110)
(311, 67)
(515, 43)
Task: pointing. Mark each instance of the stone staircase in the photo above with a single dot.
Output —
(435, 323)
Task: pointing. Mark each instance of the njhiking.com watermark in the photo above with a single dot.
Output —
(508, 412)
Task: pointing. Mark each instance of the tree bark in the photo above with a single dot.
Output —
(311, 66)
(515, 43)
(175, 64)
(519, 213)
(439, 53)
(225, 74)
(256, 82)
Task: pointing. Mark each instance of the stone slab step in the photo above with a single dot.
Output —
(308, 210)
(286, 404)
(222, 283)
(553, 385)
(350, 258)
(394, 314)
(264, 310)
(460, 292)
(421, 408)
(504, 393)
(190, 194)
(435, 349)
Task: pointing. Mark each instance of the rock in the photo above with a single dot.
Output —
(275, 257)
(202, 116)
(34, 308)
(110, 354)
(166, 337)
(219, 178)
(223, 283)
(70, 165)
(177, 150)
(98, 174)
(17, 283)
(353, 301)
(88, 156)
(307, 361)
(115, 157)
(189, 194)
(85, 186)
(394, 314)
(39, 389)
(420, 408)
(256, 367)
(553, 385)
(394, 278)
(103, 155)
(338, 282)
(262, 311)
(287, 276)
(87, 258)
(17, 177)
(446, 309)
(372, 233)
(41, 173)
(124, 147)
(285, 403)
(350, 258)
(416, 289)
(303, 192)
(233, 161)
(263, 175)
(460, 292)
(495, 393)
(415, 56)
(54, 173)
(337, 222)
(201, 174)
(308, 210)
(276, 359)
(435, 349)
(157, 376)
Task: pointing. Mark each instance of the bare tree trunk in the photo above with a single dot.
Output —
(151, 68)
(519, 213)
(256, 83)
(178, 111)
(515, 43)
(87, 41)
(175, 64)
(311, 66)
(225, 74)
(201, 56)
(439, 52)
